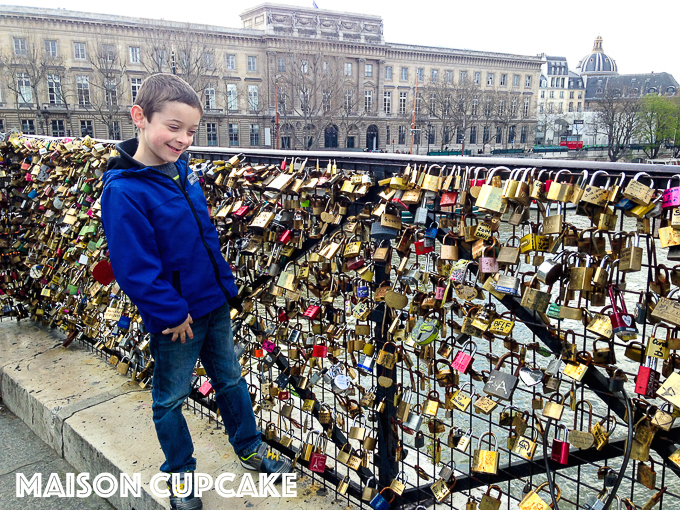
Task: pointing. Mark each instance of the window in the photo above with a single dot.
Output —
(83, 86)
(2, 125)
(416, 135)
(280, 64)
(160, 57)
(388, 72)
(580, 95)
(434, 75)
(208, 60)
(433, 103)
(523, 135)
(348, 69)
(419, 103)
(350, 142)
(20, 47)
(447, 134)
(460, 136)
(511, 134)
(368, 100)
(387, 134)
(473, 108)
(252, 64)
(79, 51)
(54, 94)
(369, 71)
(561, 94)
(232, 104)
(501, 107)
(562, 83)
(86, 128)
(109, 52)
(51, 48)
(420, 72)
(431, 133)
(478, 78)
(231, 62)
(463, 76)
(135, 84)
(540, 108)
(571, 94)
(402, 103)
(25, 95)
(525, 112)
(252, 98)
(387, 102)
(448, 76)
(513, 108)
(485, 135)
(473, 134)
(58, 128)
(527, 81)
(489, 79)
(402, 135)
(348, 100)
(542, 94)
(404, 74)
(285, 142)
(550, 107)
(255, 134)
(559, 108)
(552, 94)
(110, 92)
(134, 55)
(571, 106)
(515, 80)
(28, 126)
(114, 130)
(211, 133)
(210, 97)
(504, 80)
(499, 134)
(552, 82)
(304, 67)
(304, 100)
(233, 134)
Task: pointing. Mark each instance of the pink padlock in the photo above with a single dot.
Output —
(671, 196)
(488, 264)
(268, 345)
(205, 389)
(463, 361)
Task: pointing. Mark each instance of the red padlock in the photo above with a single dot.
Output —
(320, 351)
(463, 361)
(355, 263)
(560, 449)
(241, 212)
(421, 248)
(623, 323)
(283, 315)
(258, 353)
(205, 389)
(285, 237)
(647, 380)
(283, 395)
(312, 312)
(283, 165)
(317, 462)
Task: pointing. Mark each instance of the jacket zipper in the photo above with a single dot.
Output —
(200, 230)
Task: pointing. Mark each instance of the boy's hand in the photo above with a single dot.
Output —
(183, 330)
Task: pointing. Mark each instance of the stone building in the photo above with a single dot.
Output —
(289, 77)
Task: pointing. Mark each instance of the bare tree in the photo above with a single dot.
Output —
(617, 117)
(314, 92)
(108, 84)
(26, 69)
(487, 116)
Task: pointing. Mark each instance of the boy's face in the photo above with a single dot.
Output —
(169, 132)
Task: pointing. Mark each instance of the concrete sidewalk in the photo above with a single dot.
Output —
(98, 422)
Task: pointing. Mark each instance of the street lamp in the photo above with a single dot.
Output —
(429, 128)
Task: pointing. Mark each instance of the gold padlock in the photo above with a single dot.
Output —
(486, 461)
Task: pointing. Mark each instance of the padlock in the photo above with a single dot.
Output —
(532, 501)
(380, 503)
(404, 405)
(488, 501)
(462, 360)
(601, 434)
(595, 502)
(630, 258)
(560, 447)
(647, 379)
(357, 431)
(369, 493)
(460, 400)
(501, 384)
(308, 446)
(578, 438)
(554, 407)
(526, 447)
(464, 441)
(486, 461)
(317, 460)
(398, 485)
(431, 404)
(414, 420)
(623, 323)
(646, 474)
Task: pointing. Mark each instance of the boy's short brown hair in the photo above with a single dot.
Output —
(158, 89)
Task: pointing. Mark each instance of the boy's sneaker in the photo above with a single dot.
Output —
(189, 502)
(267, 460)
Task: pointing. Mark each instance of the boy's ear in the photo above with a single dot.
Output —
(138, 116)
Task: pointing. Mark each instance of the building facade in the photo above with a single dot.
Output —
(290, 77)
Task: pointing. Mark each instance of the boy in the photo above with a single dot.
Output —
(166, 257)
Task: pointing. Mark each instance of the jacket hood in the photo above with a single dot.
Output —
(119, 166)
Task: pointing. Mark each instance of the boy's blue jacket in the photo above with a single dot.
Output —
(164, 250)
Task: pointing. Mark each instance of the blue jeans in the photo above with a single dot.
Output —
(174, 365)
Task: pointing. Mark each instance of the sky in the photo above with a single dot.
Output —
(641, 38)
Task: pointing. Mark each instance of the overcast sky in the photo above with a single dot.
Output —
(640, 37)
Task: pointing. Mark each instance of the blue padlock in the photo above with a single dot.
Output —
(380, 503)
(362, 289)
(625, 204)
(124, 322)
(431, 232)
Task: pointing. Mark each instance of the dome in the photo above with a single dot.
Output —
(598, 62)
